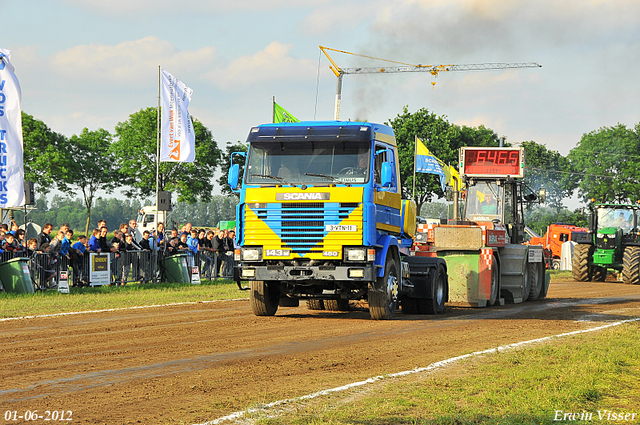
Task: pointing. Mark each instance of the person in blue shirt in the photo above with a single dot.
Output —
(77, 261)
(192, 242)
(65, 245)
(94, 243)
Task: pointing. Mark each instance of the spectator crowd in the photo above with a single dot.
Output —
(211, 251)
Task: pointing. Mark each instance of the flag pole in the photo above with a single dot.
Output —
(158, 147)
(273, 109)
(415, 155)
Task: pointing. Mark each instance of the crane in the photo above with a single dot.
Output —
(407, 67)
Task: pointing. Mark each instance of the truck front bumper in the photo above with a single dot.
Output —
(355, 273)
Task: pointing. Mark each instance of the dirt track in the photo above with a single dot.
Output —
(191, 364)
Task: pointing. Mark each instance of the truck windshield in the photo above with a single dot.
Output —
(309, 162)
(620, 218)
(484, 202)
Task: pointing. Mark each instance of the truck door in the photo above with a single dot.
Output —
(388, 200)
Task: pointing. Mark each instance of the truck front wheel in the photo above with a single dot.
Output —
(264, 297)
(383, 297)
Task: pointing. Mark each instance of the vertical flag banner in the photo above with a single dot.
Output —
(178, 142)
(282, 115)
(11, 148)
(428, 163)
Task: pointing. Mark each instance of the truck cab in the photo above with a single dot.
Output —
(321, 216)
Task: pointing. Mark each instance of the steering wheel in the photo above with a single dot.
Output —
(347, 171)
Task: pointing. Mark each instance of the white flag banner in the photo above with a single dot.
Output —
(178, 141)
(11, 165)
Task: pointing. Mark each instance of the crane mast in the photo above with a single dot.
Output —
(407, 67)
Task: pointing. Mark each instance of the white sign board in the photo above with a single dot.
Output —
(63, 281)
(99, 269)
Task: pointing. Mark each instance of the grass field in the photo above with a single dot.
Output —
(595, 375)
(106, 297)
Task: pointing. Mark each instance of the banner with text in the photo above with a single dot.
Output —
(11, 150)
(178, 141)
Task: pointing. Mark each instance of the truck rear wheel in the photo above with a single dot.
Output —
(264, 297)
(580, 263)
(495, 282)
(315, 304)
(383, 297)
(435, 304)
(536, 278)
(631, 265)
(336, 305)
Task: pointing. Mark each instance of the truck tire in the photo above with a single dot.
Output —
(555, 264)
(495, 283)
(383, 296)
(315, 304)
(264, 297)
(580, 263)
(536, 278)
(529, 277)
(631, 265)
(599, 273)
(409, 305)
(435, 304)
(336, 305)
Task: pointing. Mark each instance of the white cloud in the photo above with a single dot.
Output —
(159, 7)
(130, 62)
(271, 64)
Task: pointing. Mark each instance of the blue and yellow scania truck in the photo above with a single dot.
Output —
(321, 218)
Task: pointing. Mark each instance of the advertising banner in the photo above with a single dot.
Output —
(11, 165)
(99, 269)
(178, 140)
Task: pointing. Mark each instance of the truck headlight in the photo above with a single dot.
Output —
(600, 235)
(355, 254)
(251, 254)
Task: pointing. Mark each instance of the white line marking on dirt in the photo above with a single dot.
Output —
(72, 313)
(432, 366)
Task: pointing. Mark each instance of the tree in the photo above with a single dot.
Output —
(89, 167)
(550, 170)
(226, 164)
(605, 163)
(44, 152)
(136, 152)
(441, 138)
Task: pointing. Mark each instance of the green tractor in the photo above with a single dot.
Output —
(612, 242)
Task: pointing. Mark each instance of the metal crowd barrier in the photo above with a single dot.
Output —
(126, 267)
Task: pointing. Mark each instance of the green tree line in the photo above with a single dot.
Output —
(603, 165)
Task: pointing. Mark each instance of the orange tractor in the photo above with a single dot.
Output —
(552, 241)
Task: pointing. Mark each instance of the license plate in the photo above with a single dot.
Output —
(277, 252)
(341, 228)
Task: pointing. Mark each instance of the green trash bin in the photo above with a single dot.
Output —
(15, 276)
(176, 269)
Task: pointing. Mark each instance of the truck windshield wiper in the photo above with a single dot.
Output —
(328, 177)
(280, 179)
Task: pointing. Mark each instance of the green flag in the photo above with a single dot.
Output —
(282, 115)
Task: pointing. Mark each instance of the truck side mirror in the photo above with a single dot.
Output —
(387, 175)
(234, 173)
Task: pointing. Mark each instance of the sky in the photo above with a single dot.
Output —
(92, 63)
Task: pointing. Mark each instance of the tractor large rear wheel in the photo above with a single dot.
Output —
(631, 265)
(580, 263)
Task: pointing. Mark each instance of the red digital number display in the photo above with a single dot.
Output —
(493, 162)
